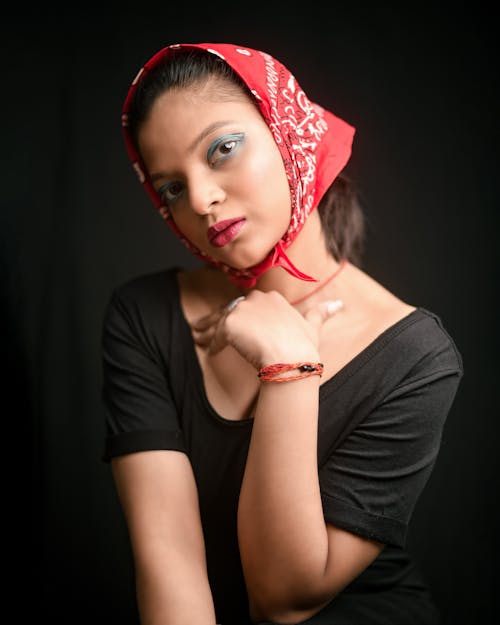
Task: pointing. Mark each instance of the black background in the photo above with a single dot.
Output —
(420, 86)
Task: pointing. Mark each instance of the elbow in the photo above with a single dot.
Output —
(285, 587)
(285, 614)
(286, 605)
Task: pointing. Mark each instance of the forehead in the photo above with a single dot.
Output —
(218, 89)
(196, 103)
(180, 115)
(214, 89)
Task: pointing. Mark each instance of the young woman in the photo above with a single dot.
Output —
(274, 414)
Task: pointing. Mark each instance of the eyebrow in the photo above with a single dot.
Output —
(203, 134)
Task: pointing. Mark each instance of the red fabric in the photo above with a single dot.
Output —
(314, 143)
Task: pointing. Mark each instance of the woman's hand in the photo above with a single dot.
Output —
(264, 328)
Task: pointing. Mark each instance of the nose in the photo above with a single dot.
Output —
(205, 193)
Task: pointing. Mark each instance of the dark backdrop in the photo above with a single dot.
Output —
(420, 85)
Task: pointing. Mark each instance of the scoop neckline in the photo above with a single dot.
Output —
(327, 387)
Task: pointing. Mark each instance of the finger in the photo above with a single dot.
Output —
(232, 304)
(203, 323)
(216, 345)
(333, 306)
(213, 338)
(213, 318)
(320, 313)
(203, 337)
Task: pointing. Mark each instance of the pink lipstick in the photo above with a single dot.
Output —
(223, 232)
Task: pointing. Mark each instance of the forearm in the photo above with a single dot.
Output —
(282, 533)
(159, 497)
(173, 590)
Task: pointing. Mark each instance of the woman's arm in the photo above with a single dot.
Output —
(293, 561)
(158, 495)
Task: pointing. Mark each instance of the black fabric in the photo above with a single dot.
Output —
(380, 425)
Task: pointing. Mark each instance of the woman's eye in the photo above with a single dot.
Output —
(224, 147)
(170, 192)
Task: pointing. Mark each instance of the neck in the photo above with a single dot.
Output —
(322, 285)
(310, 254)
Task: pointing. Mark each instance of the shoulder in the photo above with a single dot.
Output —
(147, 284)
(423, 338)
(415, 358)
(408, 332)
(142, 304)
(146, 294)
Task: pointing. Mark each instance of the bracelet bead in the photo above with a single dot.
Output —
(273, 373)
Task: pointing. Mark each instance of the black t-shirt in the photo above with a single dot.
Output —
(381, 420)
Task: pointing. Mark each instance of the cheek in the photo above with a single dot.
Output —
(189, 226)
(266, 178)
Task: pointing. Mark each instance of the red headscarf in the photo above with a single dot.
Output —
(315, 145)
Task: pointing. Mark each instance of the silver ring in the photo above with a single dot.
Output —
(232, 304)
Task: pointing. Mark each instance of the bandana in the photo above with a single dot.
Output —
(315, 146)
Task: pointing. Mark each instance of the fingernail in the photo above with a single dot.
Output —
(334, 305)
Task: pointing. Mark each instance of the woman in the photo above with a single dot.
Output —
(274, 414)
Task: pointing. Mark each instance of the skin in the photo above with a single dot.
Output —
(235, 170)
(293, 561)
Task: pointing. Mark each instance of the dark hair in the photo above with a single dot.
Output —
(343, 220)
(341, 215)
(180, 70)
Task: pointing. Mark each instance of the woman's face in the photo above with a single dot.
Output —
(215, 164)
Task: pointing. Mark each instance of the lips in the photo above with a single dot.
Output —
(223, 232)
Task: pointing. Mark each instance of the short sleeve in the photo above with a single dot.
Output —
(371, 483)
(140, 412)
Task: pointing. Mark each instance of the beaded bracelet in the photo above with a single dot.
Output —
(271, 373)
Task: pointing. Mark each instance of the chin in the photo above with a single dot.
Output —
(246, 261)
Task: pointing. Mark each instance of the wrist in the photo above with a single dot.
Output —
(288, 354)
(288, 372)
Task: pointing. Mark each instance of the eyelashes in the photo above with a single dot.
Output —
(222, 149)
(170, 191)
